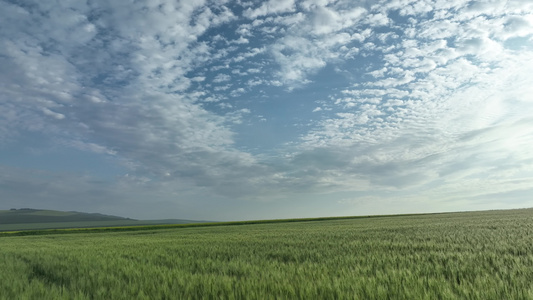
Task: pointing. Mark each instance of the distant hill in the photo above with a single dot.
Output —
(31, 219)
(29, 215)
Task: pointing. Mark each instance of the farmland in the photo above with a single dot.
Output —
(476, 255)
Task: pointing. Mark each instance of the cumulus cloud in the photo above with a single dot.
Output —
(270, 7)
(299, 53)
(296, 65)
(117, 92)
(406, 146)
(221, 78)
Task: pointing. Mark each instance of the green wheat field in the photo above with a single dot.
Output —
(474, 255)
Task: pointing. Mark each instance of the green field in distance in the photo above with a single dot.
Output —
(471, 255)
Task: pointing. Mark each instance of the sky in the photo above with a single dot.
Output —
(239, 110)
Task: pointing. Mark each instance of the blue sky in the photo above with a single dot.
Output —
(234, 110)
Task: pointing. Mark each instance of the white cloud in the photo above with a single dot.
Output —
(236, 116)
(299, 53)
(297, 58)
(270, 7)
(237, 92)
(516, 26)
(52, 114)
(433, 118)
(221, 78)
(326, 20)
(198, 78)
(241, 40)
(377, 20)
(90, 147)
(312, 4)
(120, 95)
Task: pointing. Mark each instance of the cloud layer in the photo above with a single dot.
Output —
(335, 106)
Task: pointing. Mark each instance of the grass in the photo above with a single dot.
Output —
(482, 255)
